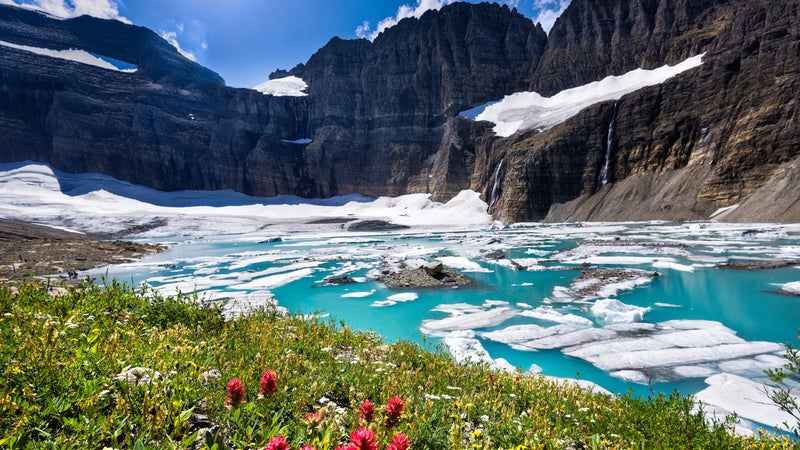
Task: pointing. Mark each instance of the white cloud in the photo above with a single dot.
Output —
(362, 30)
(103, 9)
(548, 12)
(172, 38)
(403, 12)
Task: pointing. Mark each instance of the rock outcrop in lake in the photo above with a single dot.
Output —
(382, 117)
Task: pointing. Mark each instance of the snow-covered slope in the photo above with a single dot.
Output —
(98, 203)
(529, 110)
(76, 55)
(290, 86)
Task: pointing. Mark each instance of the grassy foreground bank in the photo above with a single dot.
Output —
(312, 382)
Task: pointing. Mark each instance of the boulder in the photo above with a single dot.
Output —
(433, 268)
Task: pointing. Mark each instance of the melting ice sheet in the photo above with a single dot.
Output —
(693, 327)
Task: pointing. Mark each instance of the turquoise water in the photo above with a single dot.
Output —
(746, 302)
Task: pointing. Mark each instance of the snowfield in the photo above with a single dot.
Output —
(291, 86)
(529, 110)
(80, 56)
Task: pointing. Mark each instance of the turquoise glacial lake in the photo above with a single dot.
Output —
(527, 306)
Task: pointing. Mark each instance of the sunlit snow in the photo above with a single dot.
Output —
(529, 110)
(290, 86)
(99, 203)
(80, 56)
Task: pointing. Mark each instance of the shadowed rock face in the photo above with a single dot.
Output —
(376, 111)
(712, 137)
(383, 114)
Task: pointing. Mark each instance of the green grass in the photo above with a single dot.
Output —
(58, 356)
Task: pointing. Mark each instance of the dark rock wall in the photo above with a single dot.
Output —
(732, 123)
(383, 114)
(385, 104)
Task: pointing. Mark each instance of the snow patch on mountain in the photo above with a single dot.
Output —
(80, 56)
(290, 86)
(529, 110)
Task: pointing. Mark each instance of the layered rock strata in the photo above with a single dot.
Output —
(383, 118)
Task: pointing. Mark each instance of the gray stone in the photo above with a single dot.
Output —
(433, 268)
(137, 376)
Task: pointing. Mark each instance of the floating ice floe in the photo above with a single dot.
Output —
(462, 263)
(614, 311)
(76, 55)
(666, 305)
(464, 348)
(273, 281)
(728, 393)
(290, 86)
(673, 266)
(482, 318)
(585, 252)
(397, 298)
(646, 352)
(792, 288)
(246, 276)
(549, 314)
(529, 110)
(359, 294)
(659, 351)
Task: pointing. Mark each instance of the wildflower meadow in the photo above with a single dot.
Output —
(117, 367)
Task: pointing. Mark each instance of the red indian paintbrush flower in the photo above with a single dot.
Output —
(313, 419)
(308, 447)
(269, 383)
(393, 411)
(399, 442)
(367, 411)
(277, 443)
(235, 393)
(363, 439)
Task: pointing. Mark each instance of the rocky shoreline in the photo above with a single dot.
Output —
(37, 253)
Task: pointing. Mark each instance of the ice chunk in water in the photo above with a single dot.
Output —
(549, 314)
(614, 311)
(747, 398)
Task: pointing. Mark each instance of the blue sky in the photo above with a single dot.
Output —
(245, 40)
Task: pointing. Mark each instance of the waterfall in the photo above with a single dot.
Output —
(609, 140)
(496, 186)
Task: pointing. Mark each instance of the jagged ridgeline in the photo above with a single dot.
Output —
(382, 117)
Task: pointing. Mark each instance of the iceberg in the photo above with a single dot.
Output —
(614, 311)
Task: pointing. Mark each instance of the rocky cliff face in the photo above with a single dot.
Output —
(383, 115)
(376, 110)
(386, 104)
(712, 137)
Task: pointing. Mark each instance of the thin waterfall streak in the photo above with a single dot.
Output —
(496, 186)
(609, 141)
